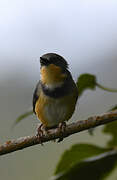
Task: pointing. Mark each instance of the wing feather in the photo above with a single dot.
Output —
(36, 95)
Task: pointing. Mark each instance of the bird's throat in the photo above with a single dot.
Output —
(52, 75)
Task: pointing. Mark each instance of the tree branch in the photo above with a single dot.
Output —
(21, 143)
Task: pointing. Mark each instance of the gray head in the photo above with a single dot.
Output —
(52, 58)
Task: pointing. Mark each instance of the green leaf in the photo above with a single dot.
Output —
(86, 81)
(76, 154)
(89, 81)
(111, 129)
(23, 116)
(95, 168)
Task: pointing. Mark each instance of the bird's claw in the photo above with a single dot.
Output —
(62, 127)
(40, 133)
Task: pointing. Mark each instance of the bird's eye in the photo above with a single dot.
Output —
(44, 61)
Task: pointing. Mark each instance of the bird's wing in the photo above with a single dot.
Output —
(36, 95)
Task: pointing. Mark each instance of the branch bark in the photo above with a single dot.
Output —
(91, 122)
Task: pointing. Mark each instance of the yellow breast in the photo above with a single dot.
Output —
(52, 111)
(39, 108)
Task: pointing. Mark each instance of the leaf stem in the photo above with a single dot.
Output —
(106, 88)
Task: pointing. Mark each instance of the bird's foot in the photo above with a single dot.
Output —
(61, 127)
(40, 132)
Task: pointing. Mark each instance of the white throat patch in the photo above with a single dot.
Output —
(53, 86)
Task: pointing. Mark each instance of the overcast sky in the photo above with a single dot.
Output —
(83, 31)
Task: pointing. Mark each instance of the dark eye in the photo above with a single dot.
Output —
(44, 61)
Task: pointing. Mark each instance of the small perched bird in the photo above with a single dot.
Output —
(56, 94)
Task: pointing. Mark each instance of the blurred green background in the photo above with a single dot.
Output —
(85, 33)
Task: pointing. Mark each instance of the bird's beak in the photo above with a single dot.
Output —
(43, 61)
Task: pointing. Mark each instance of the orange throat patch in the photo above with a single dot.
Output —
(52, 74)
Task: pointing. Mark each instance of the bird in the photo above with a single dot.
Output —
(56, 94)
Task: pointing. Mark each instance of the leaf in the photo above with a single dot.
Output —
(96, 168)
(76, 154)
(23, 116)
(86, 81)
(111, 129)
(89, 81)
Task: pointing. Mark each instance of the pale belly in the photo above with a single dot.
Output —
(53, 111)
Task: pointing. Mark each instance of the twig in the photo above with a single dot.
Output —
(21, 143)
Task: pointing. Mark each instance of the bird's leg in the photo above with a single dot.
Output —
(62, 127)
(40, 133)
(41, 130)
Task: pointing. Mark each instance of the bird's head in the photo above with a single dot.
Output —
(53, 69)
